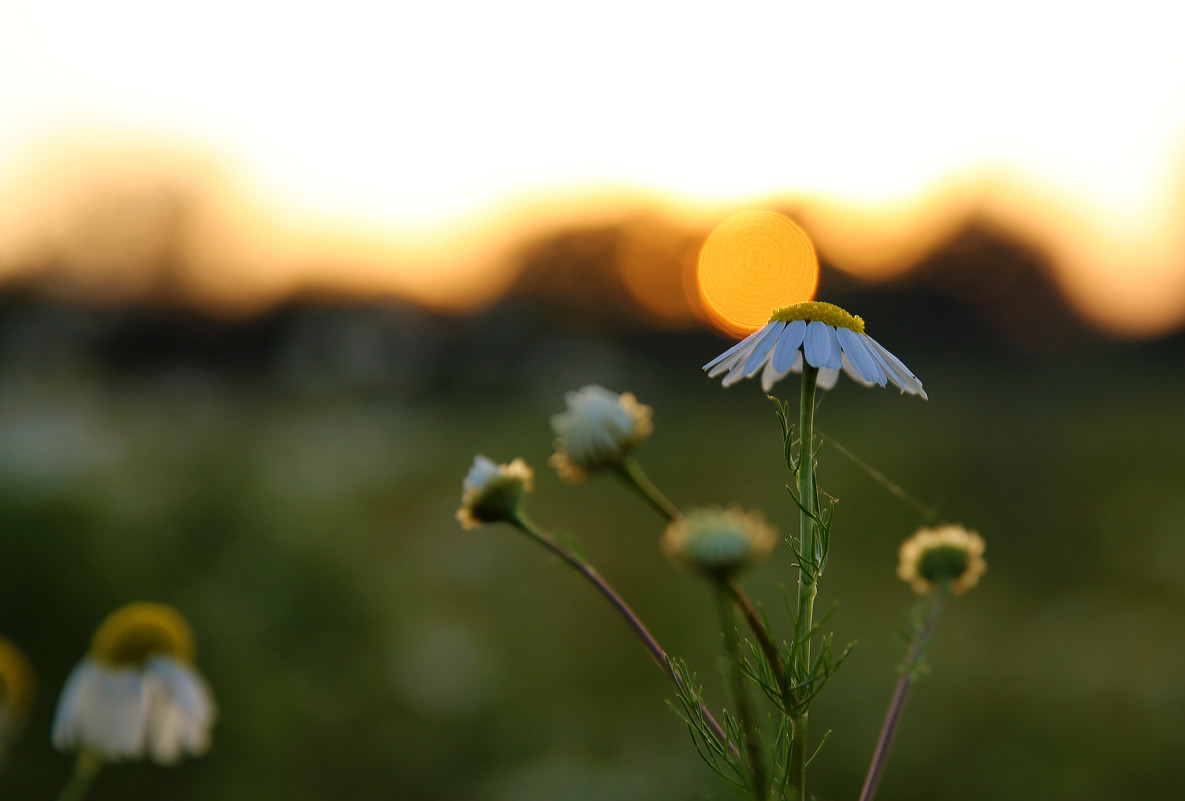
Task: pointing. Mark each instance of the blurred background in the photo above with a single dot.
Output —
(271, 275)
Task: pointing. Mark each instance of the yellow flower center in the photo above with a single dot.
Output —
(129, 636)
(16, 683)
(813, 310)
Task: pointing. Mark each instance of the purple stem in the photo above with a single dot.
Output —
(632, 620)
(897, 704)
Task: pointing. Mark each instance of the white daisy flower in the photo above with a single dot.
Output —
(599, 429)
(491, 492)
(823, 334)
(136, 692)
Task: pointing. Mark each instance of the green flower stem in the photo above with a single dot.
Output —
(632, 474)
(897, 704)
(527, 526)
(732, 648)
(807, 573)
(85, 769)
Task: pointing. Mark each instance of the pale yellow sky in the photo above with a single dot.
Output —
(402, 128)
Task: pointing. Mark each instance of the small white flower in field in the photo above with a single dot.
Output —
(491, 492)
(16, 692)
(137, 692)
(949, 555)
(599, 429)
(827, 337)
(718, 542)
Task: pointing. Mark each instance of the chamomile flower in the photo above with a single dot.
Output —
(949, 555)
(826, 337)
(599, 429)
(137, 693)
(718, 542)
(16, 692)
(491, 492)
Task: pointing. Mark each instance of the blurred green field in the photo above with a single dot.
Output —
(362, 646)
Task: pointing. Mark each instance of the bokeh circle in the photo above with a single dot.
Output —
(753, 262)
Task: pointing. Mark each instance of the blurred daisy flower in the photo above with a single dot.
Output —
(491, 492)
(945, 556)
(136, 692)
(16, 692)
(599, 429)
(823, 334)
(718, 542)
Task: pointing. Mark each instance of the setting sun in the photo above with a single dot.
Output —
(752, 263)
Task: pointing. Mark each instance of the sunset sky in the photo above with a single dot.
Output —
(410, 145)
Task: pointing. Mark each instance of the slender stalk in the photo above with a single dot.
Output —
(635, 623)
(630, 471)
(897, 704)
(807, 573)
(740, 698)
(85, 769)
(896, 490)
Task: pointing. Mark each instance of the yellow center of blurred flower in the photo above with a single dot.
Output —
(16, 682)
(813, 310)
(132, 634)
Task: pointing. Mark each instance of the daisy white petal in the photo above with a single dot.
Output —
(787, 352)
(898, 373)
(827, 378)
(737, 354)
(771, 375)
(102, 710)
(729, 363)
(734, 375)
(180, 713)
(855, 374)
(762, 348)
(821, 346)
(734, 350)
(860, 359)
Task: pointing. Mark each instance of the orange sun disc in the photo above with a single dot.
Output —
(752, 263)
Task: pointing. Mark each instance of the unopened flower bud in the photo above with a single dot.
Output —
(949, 555)
(599, 429)
(491, 492)
(718, 542)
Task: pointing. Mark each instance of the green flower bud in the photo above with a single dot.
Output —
(718, 542)
(945, 556)
(492, 492)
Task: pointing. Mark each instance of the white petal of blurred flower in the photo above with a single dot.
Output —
(598, 429)
(162, 711)
(136, 694)
(491, 492)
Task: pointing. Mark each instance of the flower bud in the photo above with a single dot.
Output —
(491, 492)
(949, 556)
(718, 542)
(598, 429)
